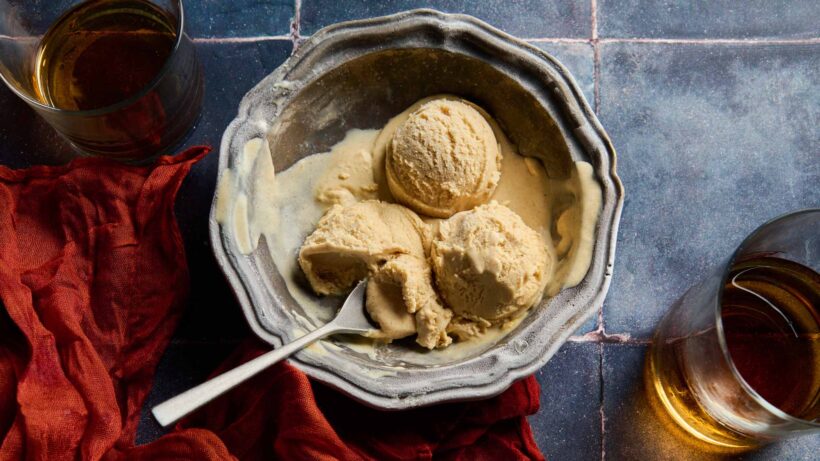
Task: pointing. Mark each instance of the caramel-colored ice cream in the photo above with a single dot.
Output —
(351, 242)
(470, 275)
(489, 266)
(402, 300)
(443, 159)
(389, 243)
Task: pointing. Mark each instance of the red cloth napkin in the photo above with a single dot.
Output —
(93, 279)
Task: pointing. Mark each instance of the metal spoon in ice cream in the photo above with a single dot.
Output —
(350, 319)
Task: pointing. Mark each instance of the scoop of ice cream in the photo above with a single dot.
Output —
(389, 243)
(489, 264)
(351, 242)
(401, 299)
(443, 159)
(386, 306)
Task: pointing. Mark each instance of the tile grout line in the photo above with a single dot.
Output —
(715, 41)
(593, 8)
(601, 399)
(556, 40)
(596, 81)
(678, 41)
(598, 335)
(296, 24)
(260, 38)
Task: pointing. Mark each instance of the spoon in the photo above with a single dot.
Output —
(350, 319)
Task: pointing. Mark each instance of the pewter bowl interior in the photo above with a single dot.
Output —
(360, 74)
(367, 91)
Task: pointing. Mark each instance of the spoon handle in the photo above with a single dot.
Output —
(175, 408)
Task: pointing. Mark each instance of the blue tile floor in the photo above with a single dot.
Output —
(713, 107)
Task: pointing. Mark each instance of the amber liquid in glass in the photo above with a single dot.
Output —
(772, 329)
(101, 53)
(124, 90)
(769, 312)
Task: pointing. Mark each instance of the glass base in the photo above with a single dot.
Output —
(672, 397)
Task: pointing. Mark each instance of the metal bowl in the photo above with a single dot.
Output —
(359, 74)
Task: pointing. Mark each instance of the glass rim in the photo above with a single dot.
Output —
(724, 348)
(179, 30)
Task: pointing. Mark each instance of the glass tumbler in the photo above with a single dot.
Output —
(116, 78)
(736, 361)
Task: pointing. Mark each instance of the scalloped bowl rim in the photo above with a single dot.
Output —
(508, 366)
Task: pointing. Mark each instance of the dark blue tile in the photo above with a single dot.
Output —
(238, 18)
(712, 142)
(182, 366)
(205, 18)
(231, 69)
(524, 18)
(25, 138)
(712, 19)
(635, 427)
(578, 58)
(42, 15)
(568, 426)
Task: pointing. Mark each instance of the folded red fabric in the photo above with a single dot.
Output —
(92, 281)
(280, 414)
(93, 278)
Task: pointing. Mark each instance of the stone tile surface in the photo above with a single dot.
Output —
(568, 426)
(524, 18)
(40, 16)
(578, 58)
(239, 18)
(750, 19)
(25, 138)
(713, 140)
(204, 18)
